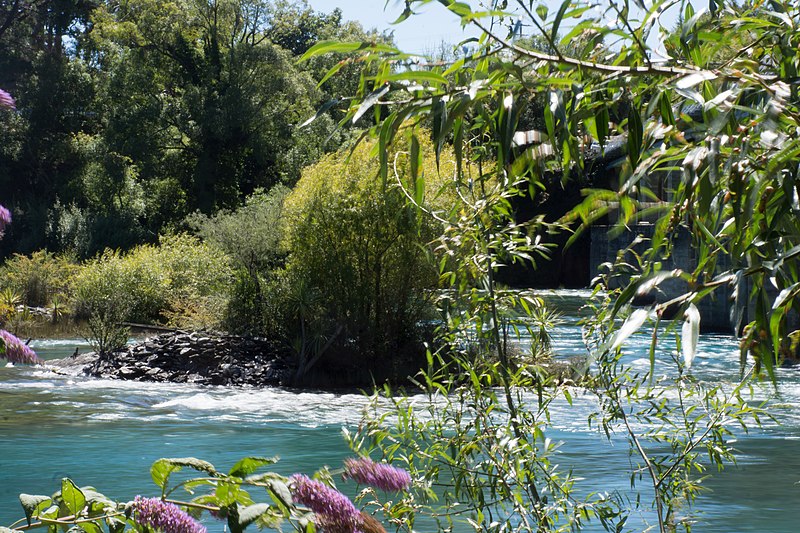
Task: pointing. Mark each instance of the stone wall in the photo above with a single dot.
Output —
(715, 310)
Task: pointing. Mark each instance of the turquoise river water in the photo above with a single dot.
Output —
(107, 433)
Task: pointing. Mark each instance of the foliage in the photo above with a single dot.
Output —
(710, 136)
(359, 260)
(133, 114)
(250, 235)
(40, 278)
(247, 495)
(148, 282)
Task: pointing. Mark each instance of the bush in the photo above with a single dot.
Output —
(181, 277)
(252, 238)
(251, 235)
(40, 278)
(359, 261)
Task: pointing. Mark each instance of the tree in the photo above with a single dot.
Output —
(721, 125)
(360, 263)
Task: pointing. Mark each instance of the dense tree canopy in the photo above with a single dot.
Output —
(133, 114)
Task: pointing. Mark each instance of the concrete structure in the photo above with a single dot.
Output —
(715, 310)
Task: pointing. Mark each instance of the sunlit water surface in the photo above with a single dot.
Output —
(107, 434)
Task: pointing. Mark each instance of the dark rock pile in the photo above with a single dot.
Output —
(201, 357)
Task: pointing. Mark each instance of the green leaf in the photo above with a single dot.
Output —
(665, 108)
(404, 15)
(115, 525)
(280, 492)
(248, 465)
(251, 513)
(72, 496)
(370, 101)
(417, 177)
(90, 527)
(163, 468)
(635, 135)
(557, 22)
(328, 47)
(31, 504)
(541, 10)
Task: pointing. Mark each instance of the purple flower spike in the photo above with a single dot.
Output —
(334, 511)
(381, 476)
(17, 351)
(6, 100)
(164, 516)
(5, 218)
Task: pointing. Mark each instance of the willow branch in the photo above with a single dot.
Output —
(649, 70)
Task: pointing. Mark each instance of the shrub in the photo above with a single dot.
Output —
(39, 278)
(359, 251)
(250, 235)
(137, 278)
(154, 283)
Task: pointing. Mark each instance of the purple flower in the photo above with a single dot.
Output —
(334, 511)
(5, 218)
(164, 516)
(17, 351)
(6, 100)
(381, 476)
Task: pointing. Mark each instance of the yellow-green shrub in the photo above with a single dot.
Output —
(40, 278)
(359, 252)
(149, 280)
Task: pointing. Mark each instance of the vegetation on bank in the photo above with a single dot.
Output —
(340, 270)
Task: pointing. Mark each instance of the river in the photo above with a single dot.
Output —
(107, 433)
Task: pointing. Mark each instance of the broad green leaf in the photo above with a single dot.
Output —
(248, 465)
(90, 527)
(72, 496)
(163, 468)
(50, 512)
(280, 492)
(115, 525)
(31, 504)
(251, 513)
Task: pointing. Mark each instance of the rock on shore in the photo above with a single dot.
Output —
(204, 358)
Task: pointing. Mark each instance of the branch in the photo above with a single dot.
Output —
(649, 70)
